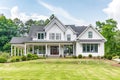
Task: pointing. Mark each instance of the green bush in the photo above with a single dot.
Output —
(15, 59)
(80, 56)
(75, 57)
(90, 55)
(6, 55)
(31, 56)
(35, 56)
(3, 59)
(23, 58)
(119, 57)
(109, 57)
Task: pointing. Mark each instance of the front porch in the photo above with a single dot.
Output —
(47, 49)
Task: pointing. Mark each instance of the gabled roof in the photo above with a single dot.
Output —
(77, 29)
(55, 20)
(20, 40)
(34, 29)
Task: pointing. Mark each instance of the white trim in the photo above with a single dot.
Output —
(71, 29)
(53, 21)
(94, 30)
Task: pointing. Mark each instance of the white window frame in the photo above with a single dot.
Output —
(68, 37)
(90, 34)
(40, 36)
(58, 36)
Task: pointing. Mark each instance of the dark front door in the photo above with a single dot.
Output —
(54, 50)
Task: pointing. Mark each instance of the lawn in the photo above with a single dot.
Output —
(60, 69)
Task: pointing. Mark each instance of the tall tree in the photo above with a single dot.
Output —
(108, 29)
(8, 29)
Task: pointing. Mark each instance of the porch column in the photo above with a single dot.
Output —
(33, 49)
(59, 49)
(18, 51)
(25, 50)
(11, 50)
(14, 51)
(73, 50)
(46, 49)
(21, 52)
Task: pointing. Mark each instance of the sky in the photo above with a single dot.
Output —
(78, 12)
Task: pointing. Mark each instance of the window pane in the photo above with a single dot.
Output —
(88, 47)
(96, 47)
(68, 37)
(90, 34)
(84, 47)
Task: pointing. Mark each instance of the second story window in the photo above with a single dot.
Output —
(58, 36)
(51, 36)
(68, 37)
(40, 35)
(90, 34)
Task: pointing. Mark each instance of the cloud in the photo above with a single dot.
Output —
(4, 8)
(113, 11)
(62, 14)
(15, 13)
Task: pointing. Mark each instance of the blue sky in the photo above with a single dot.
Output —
(79, 12)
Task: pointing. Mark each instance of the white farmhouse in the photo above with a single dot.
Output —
(57, 39)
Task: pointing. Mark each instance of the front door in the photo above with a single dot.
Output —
(54, 50)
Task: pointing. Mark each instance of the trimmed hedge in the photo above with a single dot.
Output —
(31, 56)
(109, 57)
(15, 59)
(80, 56)
(3, 60)
(90, 55)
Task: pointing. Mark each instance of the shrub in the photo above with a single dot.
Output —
(80, 56)
(109, 57)
(75, 57)
(31, 56)
(15, 59)
(119, 57)
(3, 59)
(23, 58)
(6, 55)
(90, 55)
(35, 56)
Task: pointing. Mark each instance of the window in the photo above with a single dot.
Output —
(90, 47)
(58, 36)
(68, 37)
(40, 35)
(51, 36)
(90, 35)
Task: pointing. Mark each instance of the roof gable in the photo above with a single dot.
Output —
(57, 22)
(96, 32)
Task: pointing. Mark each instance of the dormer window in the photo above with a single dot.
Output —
(41, 35)
(90, 34)
(68, 37)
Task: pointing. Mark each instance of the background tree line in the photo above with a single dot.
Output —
(11, 28)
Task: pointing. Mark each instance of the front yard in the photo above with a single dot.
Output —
(60, 69)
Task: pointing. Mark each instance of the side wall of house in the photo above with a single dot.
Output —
(79, 49)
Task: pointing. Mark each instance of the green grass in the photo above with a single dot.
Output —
(60, 69)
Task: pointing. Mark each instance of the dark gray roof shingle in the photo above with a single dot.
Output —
(18, 40)
(34, 29)
(78, 29)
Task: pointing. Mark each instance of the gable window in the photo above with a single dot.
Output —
(58, 36)
(90, 47)
(90, 34)
(51, 36)
(40, 35)
(68, 37)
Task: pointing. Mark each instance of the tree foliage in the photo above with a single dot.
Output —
(109, 30)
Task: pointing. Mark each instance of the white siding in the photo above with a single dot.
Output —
(55, 29)
(73, 35)
(79, 49)
(95, 35)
